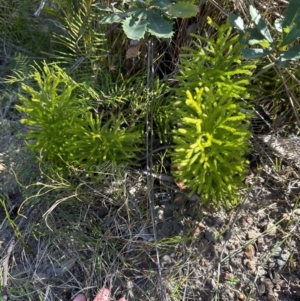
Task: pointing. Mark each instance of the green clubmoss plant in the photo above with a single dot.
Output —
(62, 128)
(210, 142)
(51, 108)
(98, 141)
(211, 134)
(218, 61)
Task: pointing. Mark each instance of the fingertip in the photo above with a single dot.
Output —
(122, 299)
(80, 297)
(103, 295)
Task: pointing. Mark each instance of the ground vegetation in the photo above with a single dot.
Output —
(151, 148)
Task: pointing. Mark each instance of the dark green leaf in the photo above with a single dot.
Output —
(158, 26)
(162, 4)
(140, 3)
(138, 13)
(254, 34)
(255, 53)
(103, 7)
(291, 54)
(111, 18)
(183, 10)
(289, 37)
(282, 63)
(260, 23)
(236, 22)
(292, 14)
(134, 29)
(291, 23)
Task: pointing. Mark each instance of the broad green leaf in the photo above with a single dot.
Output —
(158, 26)
(254, 34)
(140, 3)
(291, 54)
(117, 11)
(263, 43)
(183, 10)
(138, 13)
(162, 4)
(236, 22)
(134, 29)
(292, 14)
(103, 7)
(255, 53)
(282, 63)
(260, 23)
(291, 23)
(111, 18)
(290, 35)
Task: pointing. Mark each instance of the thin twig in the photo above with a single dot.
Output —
(149, 147)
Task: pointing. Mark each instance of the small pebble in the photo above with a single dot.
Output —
(228, 276)
(252, 234)
(269, 285)
(270, 228)
(219, 221)
(261, 271)
(249, 220)
(166, 259)
(211, 234)
(249, 251)
(260, 244)
(211, 283)
(277, 252)
(285, 255)
(209, 221)
(196, 232)
(179, 198)
(280, 263)
(250, 264)
(261, 288)
(235, 262)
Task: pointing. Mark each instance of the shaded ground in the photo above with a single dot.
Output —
(80, 236)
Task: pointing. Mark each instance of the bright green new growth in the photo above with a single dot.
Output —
(209, 145)
(50, 110)
(212, 133)
(63, 129)
(103, 141)
(220, 63)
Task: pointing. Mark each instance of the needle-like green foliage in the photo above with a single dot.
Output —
(209, 145)
(211, 137)
(62, 127)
